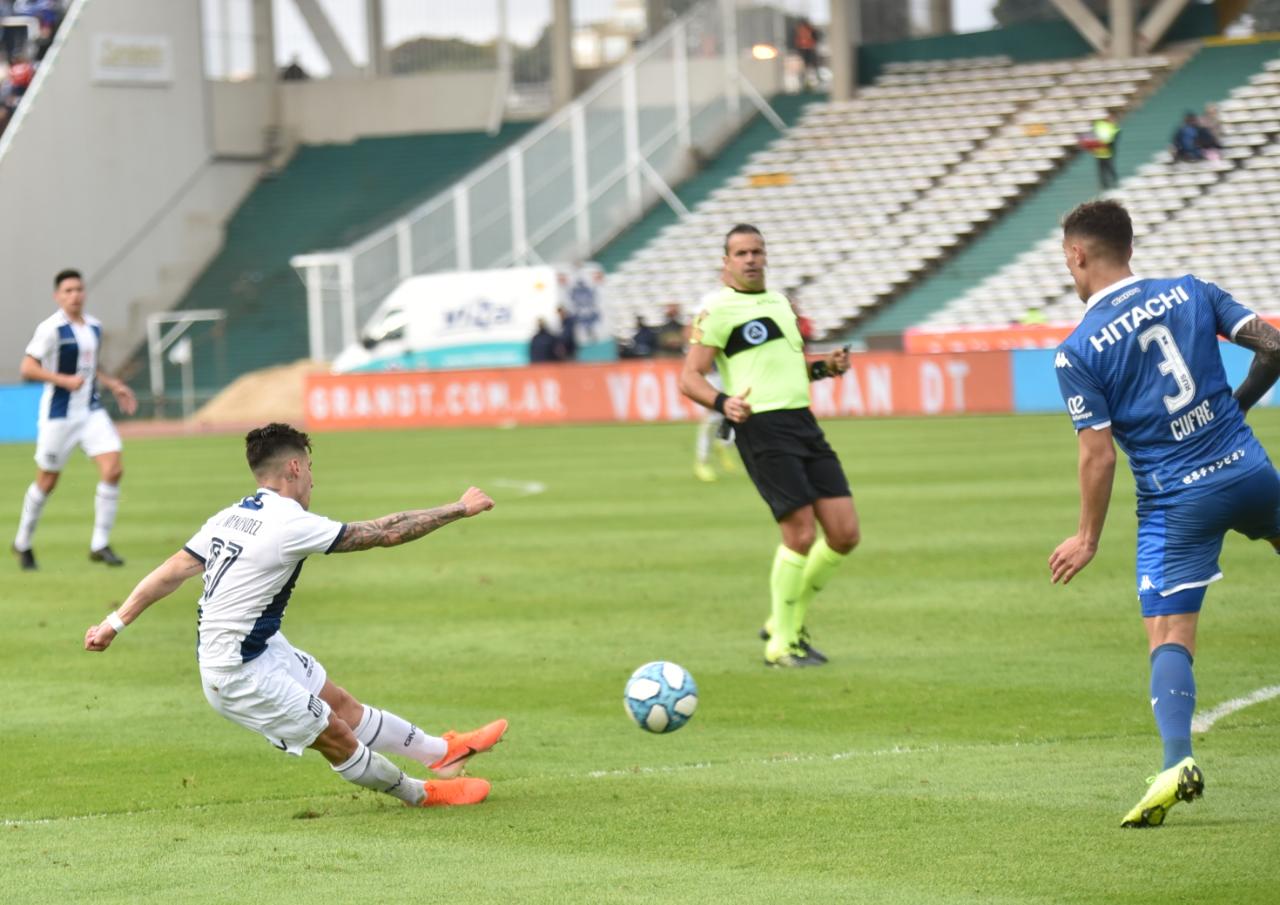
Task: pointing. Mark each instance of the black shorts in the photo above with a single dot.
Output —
(790, 460)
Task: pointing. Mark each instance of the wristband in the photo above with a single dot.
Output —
(819, 370)
(114, 620)
(721, 399)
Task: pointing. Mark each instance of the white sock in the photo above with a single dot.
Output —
(383, 731)
(373, 771)
(32, 506)
(705, 431)
(105, 501)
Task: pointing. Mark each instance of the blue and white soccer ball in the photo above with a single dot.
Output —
(661, 696)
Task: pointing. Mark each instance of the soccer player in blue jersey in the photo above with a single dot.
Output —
(1143, 369)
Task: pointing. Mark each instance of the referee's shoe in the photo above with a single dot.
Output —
(792, 658)
(809, 650)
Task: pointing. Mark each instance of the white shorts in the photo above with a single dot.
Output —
(276, 694)
(56, 438)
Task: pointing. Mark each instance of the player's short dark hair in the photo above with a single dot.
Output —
(742, 229)
(68, 274)
(262, 444)
(1106, 223)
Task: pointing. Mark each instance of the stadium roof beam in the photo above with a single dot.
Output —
(1087, 23)
(1157, 23)
(561, 53)
(374, 35)
(326, 36)
(1120, 40)
(844, 34)
(940, 22)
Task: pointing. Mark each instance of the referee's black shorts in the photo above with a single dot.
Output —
(789, 459)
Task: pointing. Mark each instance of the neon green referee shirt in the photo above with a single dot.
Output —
(758, 345)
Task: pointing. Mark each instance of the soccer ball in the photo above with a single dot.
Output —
(661, 697)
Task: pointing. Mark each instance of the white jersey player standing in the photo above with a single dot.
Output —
(251, 554)
(63, 354)
(712, 428)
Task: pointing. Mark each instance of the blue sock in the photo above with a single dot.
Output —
(1173, 699)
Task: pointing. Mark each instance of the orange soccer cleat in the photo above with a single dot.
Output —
(445, 792)
(465, 745)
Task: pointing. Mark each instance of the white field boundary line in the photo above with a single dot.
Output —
(521, 488)
(1203, 722)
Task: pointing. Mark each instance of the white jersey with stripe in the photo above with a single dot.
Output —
(65, 347)
(253, 553)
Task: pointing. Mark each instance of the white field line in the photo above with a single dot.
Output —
(1204, 721)
(522, 488)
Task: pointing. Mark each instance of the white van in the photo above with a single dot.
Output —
(480, 319)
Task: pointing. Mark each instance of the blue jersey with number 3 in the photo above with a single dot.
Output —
(1145, 361)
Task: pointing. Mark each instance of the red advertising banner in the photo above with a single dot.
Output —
(994, 338)
(876, 384)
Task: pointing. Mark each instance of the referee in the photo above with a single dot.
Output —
(751, 335)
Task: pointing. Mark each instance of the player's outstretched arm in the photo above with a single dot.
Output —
(163, 581)
(1264, 340)
(402, 527)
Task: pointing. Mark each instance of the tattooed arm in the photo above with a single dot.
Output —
(1264, 340)
(402, 527)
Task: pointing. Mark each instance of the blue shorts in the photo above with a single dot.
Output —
(1179, 541)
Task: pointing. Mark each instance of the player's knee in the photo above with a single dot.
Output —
(46, 481)
(845, 540)
(337, 742)
(344, 704)
(113, 474)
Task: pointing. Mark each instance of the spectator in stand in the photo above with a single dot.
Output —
(804, 37)
(568, 334)
(12, 37)
(671, 335)
(294, 72)
(644, 342)
(15, 85)
(544, 346)
(1186, 140)
(1207, 140)
(1211, 120)
(1106, 135)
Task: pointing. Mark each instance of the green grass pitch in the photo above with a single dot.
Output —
(976, 738)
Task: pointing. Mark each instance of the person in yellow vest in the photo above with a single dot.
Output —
(749, 334)
(1106, 134)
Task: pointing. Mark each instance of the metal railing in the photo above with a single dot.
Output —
(569, 186)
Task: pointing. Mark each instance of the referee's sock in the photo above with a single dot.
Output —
(32, 506)
(785, 583)
(818, 569)
(387, 733)
(373, 771)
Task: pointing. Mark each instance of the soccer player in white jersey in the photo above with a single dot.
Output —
(712, 429)
(63, 354)
(250, 555)
(1143, 370)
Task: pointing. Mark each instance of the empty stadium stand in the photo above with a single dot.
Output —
(1219, 219)
(860, 199)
